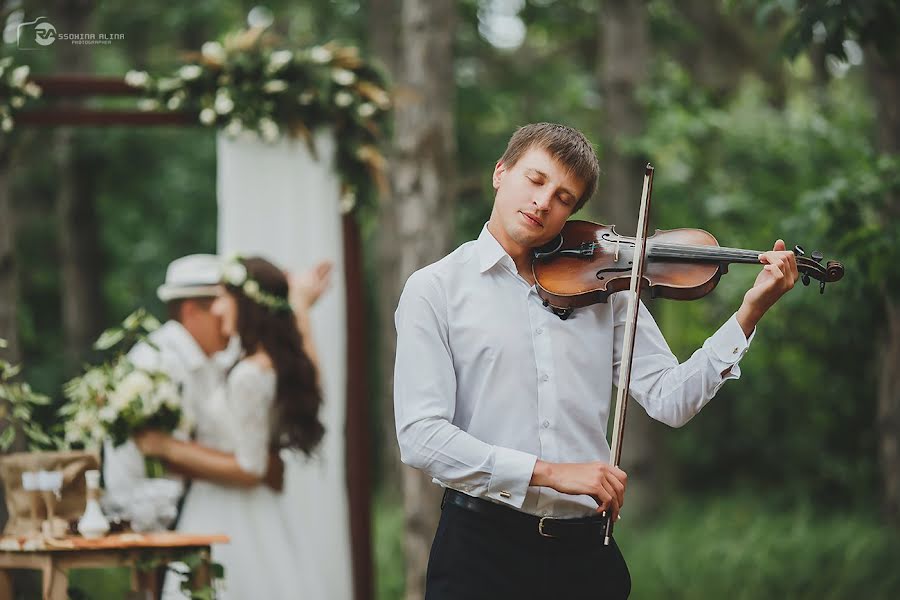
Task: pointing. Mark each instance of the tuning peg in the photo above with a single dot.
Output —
(798, 250)
(821, 287)
(817, 256)
(805, 279)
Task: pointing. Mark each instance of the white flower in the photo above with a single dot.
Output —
(147, 104)
(207, 116)
(84, 419)
(306, 97)
(97, 433)
(20, 75)
(6, 124)
(108, 414)
(274, 86)
(137, 383)
(251, 287)
(343, 99)
(234, 273)
(189, 72)
(17, 101)
(366, 109)
(269, 129)
(343, 76)
(174, 102)
(320, 55)
(278, 60)
(348, 201)
(234, 127)
(72, 434)
(223, 104)
(32, 89)
(137, 78)
(213, 52)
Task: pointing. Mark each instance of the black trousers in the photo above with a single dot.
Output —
(475, 557)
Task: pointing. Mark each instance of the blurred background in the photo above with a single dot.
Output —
(763, 118)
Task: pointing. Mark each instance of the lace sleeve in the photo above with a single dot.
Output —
(251, 393)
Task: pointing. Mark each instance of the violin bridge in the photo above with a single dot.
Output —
(616, 257)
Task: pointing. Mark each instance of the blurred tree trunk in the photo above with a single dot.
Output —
(9, 285)
(79, 243)
(417, 220)
(384, 44)
(884, 77)
(624, 64)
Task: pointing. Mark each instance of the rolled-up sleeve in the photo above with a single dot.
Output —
(425, 400)
(671, 392)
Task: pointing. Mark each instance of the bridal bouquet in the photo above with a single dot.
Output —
(117, 399)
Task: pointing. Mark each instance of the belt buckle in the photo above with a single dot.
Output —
(541, 528)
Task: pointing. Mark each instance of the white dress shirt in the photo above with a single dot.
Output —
(198, 376)
(487, 380)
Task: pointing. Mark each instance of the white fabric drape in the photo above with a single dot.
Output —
(280, 202)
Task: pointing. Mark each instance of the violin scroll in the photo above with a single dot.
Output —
(811, 268)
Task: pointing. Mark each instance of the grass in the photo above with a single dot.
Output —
(729, 548)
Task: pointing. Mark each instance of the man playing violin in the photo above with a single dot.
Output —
(506, 405)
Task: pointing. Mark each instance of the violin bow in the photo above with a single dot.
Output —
(637, 276)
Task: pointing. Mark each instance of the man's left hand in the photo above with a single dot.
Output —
(777, 277)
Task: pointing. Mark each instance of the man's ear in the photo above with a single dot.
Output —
(499, 171)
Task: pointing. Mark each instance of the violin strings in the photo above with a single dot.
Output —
(687, 251)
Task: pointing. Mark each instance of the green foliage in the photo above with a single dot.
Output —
(186, 565)
(832, 22)
(742, 548)
(388, 522)
(751, 171)
(17, 405)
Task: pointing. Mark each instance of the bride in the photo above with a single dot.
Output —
(271, 402)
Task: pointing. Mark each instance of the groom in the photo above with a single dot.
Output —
(191, 349)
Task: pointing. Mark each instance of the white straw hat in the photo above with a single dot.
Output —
(192, 276)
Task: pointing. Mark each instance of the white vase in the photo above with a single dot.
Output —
(93, 523)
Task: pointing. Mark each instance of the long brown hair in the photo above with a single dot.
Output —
(274, 330)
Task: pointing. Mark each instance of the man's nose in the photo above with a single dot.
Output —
(542, 199)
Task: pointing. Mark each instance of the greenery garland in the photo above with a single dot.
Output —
(251, 84)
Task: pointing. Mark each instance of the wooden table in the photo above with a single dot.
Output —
(118, 550)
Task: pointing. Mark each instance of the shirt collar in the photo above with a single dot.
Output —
(490, 252)
(174, 335)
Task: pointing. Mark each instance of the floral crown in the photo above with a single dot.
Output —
(235, 273)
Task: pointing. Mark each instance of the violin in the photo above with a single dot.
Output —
(587, 262)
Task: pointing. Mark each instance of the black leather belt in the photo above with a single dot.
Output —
(582, 529)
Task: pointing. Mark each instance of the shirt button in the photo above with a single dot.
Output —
(539, 330)
(546, 423)
(545, 377)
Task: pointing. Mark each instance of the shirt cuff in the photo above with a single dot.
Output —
(511, 476)
(727, 346)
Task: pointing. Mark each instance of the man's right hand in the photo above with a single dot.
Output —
(599, 480)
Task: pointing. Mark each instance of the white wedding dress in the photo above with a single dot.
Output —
(268, 556)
